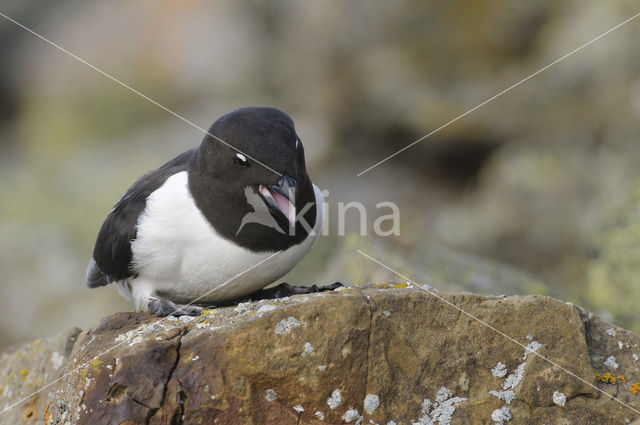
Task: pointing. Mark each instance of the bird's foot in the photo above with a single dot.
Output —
(163, 307)
(285, 290)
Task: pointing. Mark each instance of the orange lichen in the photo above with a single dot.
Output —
(47, 415)
(96, 363)
(608, 378)
(635, 388)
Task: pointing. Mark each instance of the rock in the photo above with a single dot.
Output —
(370, 354)
(28, 368)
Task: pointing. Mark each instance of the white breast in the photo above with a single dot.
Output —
(180, 256)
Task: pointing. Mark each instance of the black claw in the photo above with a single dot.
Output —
(191, 311)
(333, 286)
(163, 307)
(285, 290)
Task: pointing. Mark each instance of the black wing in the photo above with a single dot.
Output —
(112, 254)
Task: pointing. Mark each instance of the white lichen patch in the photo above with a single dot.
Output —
(371, 403)
(611, 332)
(143, 332)
(532, 347)
(352, 415)
(611, 362)
(322, 367)
(386, 313)
(505, 395)
(243, 307)
(620, 345)
(57, 359)
(559, 398)
(335, 400)
(500, 370)
(271, 395)
(265, 308)
(634, 356)
(298, 408)
(186, 319)
(514, 379)
(501, 415)
(308, 349)
(440, 411)
(530, 337)
(82, 347)
(319, 415)
(286, 325)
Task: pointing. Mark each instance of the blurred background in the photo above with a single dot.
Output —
(535, 193)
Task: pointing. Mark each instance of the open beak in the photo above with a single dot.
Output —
(281, 197)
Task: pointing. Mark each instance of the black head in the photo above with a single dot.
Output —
(250, 180)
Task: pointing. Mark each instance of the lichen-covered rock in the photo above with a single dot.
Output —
(25, 369)
(375, 354)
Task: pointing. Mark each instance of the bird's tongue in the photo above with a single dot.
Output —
(288, 209)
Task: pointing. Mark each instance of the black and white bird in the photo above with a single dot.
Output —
(181, 231)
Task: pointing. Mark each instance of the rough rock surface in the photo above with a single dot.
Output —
(377, 354)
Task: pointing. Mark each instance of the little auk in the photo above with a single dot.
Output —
(204, 225)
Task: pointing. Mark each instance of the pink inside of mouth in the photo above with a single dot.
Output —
(287, 208)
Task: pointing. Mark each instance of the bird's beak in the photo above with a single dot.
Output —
(282, 197)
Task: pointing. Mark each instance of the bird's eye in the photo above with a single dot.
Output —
(241, 160)
(297, 142)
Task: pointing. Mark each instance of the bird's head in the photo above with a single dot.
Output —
(254, 150)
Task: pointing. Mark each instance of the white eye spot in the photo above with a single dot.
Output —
(297, 142)
(240, 159)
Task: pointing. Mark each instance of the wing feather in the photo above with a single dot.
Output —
(112, 256)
